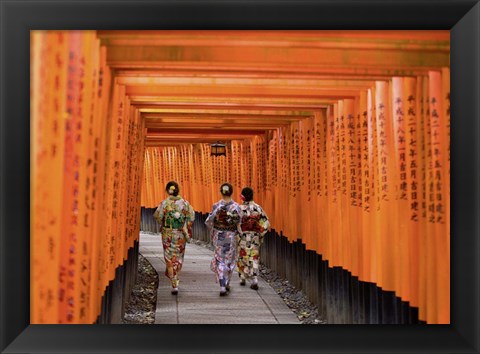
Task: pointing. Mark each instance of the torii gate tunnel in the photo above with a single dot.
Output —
(343, 135)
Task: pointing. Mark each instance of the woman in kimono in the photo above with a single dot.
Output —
(223, 223)
(254, 225)
(175, 216)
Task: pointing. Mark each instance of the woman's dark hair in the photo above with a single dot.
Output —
(172, 188)
(247, 192)
(224, 191)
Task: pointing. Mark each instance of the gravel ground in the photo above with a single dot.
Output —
(143, 300)
(295, 299)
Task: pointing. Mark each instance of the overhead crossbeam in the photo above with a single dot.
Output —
(200, 86)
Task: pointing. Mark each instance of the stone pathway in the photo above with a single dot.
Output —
(198, 300)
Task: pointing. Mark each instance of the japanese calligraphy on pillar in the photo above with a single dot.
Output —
(116, 165)
(71, 197)
(399, 133)
(421, 111)
(362, 110)
(323, 146)
(250, 156)
(447, 126)
(273, 168)
(238, 164)
(84, 129)
(310, 173)
(342, 167)
(269, 166)
(372, 193)
(334, 152)
(446, 145)
(259, 163)
(297, 161)
(292, 155)
(382, 145)
(49, 52)
(264, 152)
(352, 158)
(282, 159)
(317, 172)
(365, 160)
(436, 114)
(412, 158)
(429, 191)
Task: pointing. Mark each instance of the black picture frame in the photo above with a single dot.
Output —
(18, 17)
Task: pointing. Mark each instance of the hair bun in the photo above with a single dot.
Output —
(172, 188)
(247, 194)
(226, 189)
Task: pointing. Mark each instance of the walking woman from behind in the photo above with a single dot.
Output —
(175, 216)
(223, 223)
(254, 225)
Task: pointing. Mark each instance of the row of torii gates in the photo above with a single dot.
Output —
(343, 135)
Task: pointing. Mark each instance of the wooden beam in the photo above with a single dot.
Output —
(405, 40)
(260, 69)
(220, 116)
(160, 103)
(222, 82)
(240, 91)
(157, 100)
(207, 71)
(208, 126)
(198, 139)
(274, 56)
(173, 132)
(279, 35)
(207, 109)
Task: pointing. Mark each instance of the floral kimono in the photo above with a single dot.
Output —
(223, 221)
(175, 216)
(254, 225)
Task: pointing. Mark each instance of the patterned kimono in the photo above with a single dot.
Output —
(223, 221)
(175, 216)
(254, 225)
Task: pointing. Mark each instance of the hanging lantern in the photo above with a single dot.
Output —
(218, 149)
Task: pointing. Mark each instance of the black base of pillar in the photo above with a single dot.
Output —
(340, 297)
(118, 291)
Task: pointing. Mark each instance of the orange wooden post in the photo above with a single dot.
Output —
(440, 239)
(333, 189)
(322, 172)
(444, 284)
(412, 217)
(375, 274)
(363, 186)
(355, 184)
(87, 62)
(427, 312)
(384, 229)
(49, 50)
(70, 218)
(400, 185)
(350, 243)
(98, 190)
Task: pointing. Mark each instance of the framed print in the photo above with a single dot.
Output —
(19, 18)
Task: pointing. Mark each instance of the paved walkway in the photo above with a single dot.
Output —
(198, 300)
